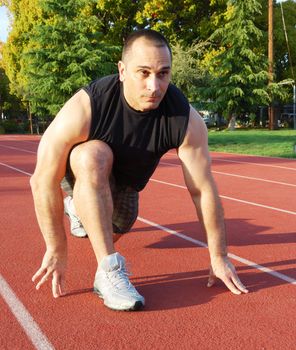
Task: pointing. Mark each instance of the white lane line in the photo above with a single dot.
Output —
(254, 178)
(16, 169)
(244, 155)
(260, 205)
(32, 142)
(24, 318)
(215, 158)
(18, 149)
(166, 183)
(233, 199)
(240, 176)
(253, 163)
(232, 256)
(169, 164)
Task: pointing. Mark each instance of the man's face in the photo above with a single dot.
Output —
(145, 73)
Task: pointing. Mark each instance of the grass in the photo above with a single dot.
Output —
(275, 143)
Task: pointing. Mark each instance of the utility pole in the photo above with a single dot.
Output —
(294, 104)
(271, 115)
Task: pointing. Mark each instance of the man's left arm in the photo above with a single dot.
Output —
(196, 165)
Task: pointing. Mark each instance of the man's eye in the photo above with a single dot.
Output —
(144, 73)
(163, 74)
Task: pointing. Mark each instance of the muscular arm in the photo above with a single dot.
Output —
(196, 165)
(71, 126)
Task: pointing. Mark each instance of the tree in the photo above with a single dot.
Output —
(237, 66)
(285, 63)
(282, 63)
(65, 52)
(117, 18)
(54, 48)
(188, 72)
(188, 21)
(24, 15)
(10, 105)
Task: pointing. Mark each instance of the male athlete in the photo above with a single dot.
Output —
(103, 146)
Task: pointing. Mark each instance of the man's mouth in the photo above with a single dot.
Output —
(152, 98)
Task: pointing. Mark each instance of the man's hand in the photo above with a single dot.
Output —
(223, 269)
(53, 265)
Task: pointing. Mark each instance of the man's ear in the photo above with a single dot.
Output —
(121, 70)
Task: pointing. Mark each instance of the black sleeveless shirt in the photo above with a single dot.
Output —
(138, 139)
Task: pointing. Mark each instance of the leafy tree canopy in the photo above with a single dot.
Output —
(56, 51)
(55, 47)
(237, 66)
(66, 51)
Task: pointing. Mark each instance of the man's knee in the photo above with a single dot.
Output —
(92, 160)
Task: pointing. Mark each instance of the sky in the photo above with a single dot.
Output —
(4, 22)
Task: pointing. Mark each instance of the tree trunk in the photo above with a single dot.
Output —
(231, 124)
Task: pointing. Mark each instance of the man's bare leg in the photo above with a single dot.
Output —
(91, 163)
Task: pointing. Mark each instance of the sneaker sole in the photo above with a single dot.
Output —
(137, 306)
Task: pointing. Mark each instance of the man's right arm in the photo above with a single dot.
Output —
(71, 126)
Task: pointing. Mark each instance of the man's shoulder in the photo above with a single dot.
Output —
(102, 85)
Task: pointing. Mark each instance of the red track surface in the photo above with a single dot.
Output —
(171, 272)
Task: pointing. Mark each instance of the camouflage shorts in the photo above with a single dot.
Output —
(125, 203)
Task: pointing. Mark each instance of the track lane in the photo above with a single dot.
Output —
(255, 188)
(267, 171)
(171, 273)
(12, 334)
(239, 190)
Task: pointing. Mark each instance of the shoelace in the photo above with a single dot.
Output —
(75, 221)
(120, 278)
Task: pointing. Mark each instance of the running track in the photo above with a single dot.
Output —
(168, 261)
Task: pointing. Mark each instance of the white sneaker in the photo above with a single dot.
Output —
(77, 229)
(113, 285)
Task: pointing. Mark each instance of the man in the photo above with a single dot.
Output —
(105, 143)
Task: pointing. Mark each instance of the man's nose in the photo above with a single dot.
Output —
(152, 83)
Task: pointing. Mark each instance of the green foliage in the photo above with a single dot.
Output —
(12, 126)
(238, 69)
(188, 72)
(65, 52)
(10, 105)
(282, 63)
(188, 21)
(55, 47)
(282, 59)
(117, 18)
(25, 14)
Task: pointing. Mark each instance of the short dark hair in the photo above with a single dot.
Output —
(149, 34)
